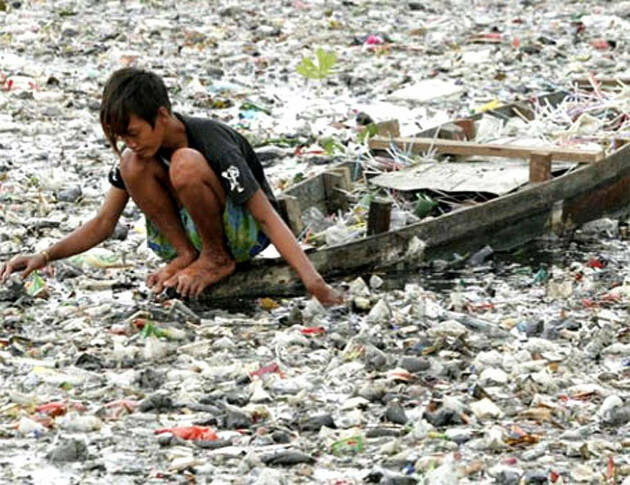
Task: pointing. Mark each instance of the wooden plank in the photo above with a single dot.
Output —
(488, 177)
(309, 192)
(390, 128)
(344, 171)
(314, 191)
(290, 211)
(451, 131)
(417, 145)
(539, 167)
(335, 185)
(379, 216)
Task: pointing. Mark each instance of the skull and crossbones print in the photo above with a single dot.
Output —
(232, 174)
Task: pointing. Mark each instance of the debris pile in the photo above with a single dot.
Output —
(483, 368)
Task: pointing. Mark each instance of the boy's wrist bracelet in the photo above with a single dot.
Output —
(46, 255)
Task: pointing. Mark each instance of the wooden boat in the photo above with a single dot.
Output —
(598, 187)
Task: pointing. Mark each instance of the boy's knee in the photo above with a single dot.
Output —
(130, 166)
(186, 164)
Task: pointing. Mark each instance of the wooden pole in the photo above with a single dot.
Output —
(335, 183)
(468, 126)
(379, 216)
(539, 167)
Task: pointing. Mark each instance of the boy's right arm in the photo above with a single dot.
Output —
(86, 236)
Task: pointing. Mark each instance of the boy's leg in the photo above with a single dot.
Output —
(200, 192)
(148, 185)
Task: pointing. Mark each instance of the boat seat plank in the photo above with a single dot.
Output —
(455, 147)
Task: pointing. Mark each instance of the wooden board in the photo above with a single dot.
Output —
(487, 177)
(454, 147)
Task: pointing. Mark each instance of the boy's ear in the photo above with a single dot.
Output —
(163, 112)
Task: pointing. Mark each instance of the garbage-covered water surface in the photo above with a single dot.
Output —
(481, 368)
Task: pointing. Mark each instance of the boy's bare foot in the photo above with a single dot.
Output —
(156, 280)
(191, 281)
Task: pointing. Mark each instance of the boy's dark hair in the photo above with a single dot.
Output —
(131, 91)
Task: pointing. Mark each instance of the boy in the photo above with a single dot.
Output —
(198, 182)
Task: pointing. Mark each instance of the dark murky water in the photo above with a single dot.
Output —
(538, 255)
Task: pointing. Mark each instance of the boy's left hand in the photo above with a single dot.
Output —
(325, 294)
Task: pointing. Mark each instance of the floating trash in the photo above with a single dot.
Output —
(485, 367)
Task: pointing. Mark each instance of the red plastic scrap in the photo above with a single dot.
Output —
(193, 433)
(267, 369)
(313, 331)
(5, 83)
(53, 408)
(490, 36)
(553, 476)
(610, 470)
(596, 263)
(300, 151)
(58, 408)
(140, 323)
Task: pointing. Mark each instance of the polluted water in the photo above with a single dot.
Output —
(506, 368)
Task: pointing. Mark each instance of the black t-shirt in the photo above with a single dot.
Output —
(229, 154)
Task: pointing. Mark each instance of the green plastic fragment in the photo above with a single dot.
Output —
(351, 445)
(424, 205)
(541, 275)
(35, 285)
(249, 106)
(150, 330)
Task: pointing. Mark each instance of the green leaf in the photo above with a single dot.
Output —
(307, 68)
(331, 145)
(326, 61)
(368, 132)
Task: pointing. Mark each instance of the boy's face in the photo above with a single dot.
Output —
(141, 138)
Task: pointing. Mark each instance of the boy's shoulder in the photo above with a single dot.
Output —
(213, 133)
(199, 122)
